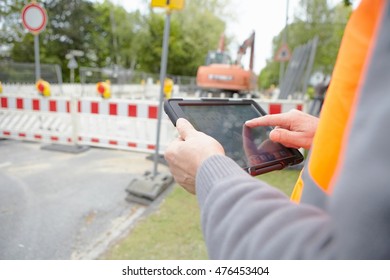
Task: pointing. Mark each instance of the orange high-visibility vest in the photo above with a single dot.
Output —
(328, 150)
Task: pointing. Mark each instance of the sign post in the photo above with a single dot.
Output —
(34, 19)
(169, 5)
(147, 188)
(72, 63)
(283, 53)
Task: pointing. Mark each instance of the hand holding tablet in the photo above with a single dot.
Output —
(224, 120)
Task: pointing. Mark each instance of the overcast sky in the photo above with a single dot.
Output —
(265, 17)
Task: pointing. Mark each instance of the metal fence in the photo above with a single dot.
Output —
(120, 76)
(15, 72)
(295, 81)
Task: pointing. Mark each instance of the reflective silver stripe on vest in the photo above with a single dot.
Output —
(312, 193)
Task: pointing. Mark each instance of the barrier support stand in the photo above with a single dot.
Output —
(145, 189)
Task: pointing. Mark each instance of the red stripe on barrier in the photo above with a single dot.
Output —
(95, 140)
(132, 111)
(68, 106)
(80, 138)
(69, 140)
(152, 112)
(19, 103)
(54, 138)
(6, 133)
(53, 106)
(37, 136)
(113, 142)
(300, 107)
(275, 108)
(79, 106)
(35, 104)
(94, 108)
(4, 102)
(151, 147)
(113, 109)
(22, 134)
(133, 145)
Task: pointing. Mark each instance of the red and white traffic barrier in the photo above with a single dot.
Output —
(281, 106)
(36, 119)
(122, 124)
(109, 123)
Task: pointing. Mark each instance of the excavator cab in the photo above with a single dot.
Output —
(218, 57)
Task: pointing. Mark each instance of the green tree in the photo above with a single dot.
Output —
(198, 17)
(108, 35)
(71, 26)
(314, 18)
(188, 42)
(10, 28)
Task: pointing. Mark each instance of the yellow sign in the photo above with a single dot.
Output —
(171, 4)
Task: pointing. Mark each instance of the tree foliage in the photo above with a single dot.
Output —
(109, 35)
(315, 18)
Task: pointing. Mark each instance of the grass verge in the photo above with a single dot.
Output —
(173, 232)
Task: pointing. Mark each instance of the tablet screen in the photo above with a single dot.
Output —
(246, 146)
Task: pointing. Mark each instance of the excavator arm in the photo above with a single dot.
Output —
(248, 43)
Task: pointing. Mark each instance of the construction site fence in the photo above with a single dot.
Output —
(126, 91)
(113, 123)
(17, 72)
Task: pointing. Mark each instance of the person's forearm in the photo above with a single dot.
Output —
(244, 218)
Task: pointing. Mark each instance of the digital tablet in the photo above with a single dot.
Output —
(224, 120)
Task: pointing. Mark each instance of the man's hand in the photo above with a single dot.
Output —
(293, 129)
(185, 154)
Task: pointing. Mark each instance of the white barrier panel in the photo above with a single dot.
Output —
(281, 106)
(124, 124)
(113, 123)
(36, 119)
(126, 91)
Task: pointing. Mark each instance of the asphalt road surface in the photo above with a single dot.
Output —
(56, 205)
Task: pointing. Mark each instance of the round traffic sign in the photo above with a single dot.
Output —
(34, 17)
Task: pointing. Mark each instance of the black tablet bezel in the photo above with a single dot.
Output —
(172, 108)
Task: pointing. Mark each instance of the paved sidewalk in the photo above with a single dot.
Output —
(56, 205)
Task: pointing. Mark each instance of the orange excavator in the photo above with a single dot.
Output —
(220, 74)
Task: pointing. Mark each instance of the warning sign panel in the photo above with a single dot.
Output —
(283, 54)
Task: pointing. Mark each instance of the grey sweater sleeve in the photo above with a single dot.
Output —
(244, 218)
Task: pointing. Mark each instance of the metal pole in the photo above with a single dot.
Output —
(71, 75)
(163, 71)
(284, 40)
(37, 64)
(286, 25)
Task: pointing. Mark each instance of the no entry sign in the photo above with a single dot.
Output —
(34, 17)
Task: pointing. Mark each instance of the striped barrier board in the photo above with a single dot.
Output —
(281, 106)
(125, 124)
(113, 123)
(36, 119)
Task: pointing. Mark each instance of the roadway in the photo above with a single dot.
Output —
(56, 205)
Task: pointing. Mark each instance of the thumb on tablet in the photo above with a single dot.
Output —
(184, 128)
